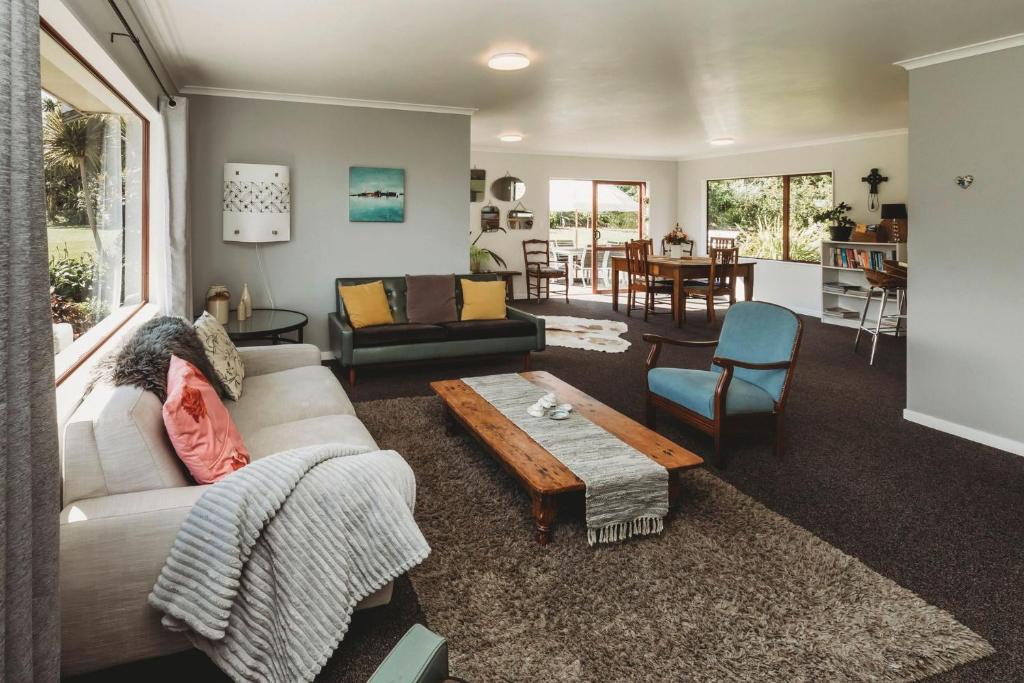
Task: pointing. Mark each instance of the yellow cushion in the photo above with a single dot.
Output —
(366, 304)
(483, 300)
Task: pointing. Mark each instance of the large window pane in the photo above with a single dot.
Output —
(770, 217)
(93, 166)
(808, 194)
(749, 210)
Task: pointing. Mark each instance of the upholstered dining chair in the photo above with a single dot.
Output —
(747, 385)
(540, 270)
(641, 281)
(721, 281)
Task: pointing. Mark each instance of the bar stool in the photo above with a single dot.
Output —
(892, 282)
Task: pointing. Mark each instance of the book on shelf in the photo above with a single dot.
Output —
(845, 257)
(836, 287)
(839, 312)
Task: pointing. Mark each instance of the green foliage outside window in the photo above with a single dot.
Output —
(752, 210)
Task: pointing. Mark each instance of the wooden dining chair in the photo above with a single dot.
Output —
(746, 387)
(721, 281)
(638, 268)
(540, 271)
(721, 243)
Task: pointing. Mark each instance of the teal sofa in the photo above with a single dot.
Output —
(403, 342)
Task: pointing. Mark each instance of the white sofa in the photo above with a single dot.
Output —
(126, 493)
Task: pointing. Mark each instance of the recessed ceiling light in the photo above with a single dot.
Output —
(508, 61)
(722, 141)
(511, 137)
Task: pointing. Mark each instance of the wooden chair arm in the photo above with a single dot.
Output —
(656, 340)
(733, 363)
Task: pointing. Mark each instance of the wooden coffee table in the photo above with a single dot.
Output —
(542, 475)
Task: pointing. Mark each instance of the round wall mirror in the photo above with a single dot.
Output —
(508, 188)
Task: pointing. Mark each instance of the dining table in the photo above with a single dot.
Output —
(678, 270)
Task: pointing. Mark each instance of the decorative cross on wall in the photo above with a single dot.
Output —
(873, 179)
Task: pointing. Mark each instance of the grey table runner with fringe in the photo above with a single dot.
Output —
(627, 492)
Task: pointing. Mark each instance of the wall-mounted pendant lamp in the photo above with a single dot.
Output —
(257, 203)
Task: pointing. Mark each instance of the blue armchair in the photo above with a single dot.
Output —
(746, 387)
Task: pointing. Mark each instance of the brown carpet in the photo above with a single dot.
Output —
(939, 515)
(730, 590)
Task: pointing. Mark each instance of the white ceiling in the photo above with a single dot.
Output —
(636, 78)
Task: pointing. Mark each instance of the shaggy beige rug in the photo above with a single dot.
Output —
(585, 333)
(729, 592)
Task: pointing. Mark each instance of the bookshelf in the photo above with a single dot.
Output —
(843, 284)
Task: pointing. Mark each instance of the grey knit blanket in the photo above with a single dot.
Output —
(627, 492)
(268, 566)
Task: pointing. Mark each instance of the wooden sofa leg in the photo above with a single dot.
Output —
(652, 415)
(352, 375)
(526, 362)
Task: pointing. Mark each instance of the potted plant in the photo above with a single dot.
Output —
(479, 257)
(676, 240)
(839, 224)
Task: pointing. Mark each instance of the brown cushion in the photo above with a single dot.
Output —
(489, 329)
(430, 299)
(397, 333)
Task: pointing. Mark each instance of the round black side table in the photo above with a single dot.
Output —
(267, 323)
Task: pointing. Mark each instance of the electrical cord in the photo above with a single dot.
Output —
(263, 274)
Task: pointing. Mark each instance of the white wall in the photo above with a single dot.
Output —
(536, 170)
(798, 285)
(319, 143)
(964, 372)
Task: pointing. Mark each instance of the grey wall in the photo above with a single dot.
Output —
(319, 143)
(966, 302)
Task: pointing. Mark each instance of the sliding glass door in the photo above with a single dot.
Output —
(618, 217)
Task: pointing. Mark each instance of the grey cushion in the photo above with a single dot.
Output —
(399, 333)
(489, 329)
(430, 299)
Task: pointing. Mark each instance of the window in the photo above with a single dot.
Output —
(771, 216)
(95, 175)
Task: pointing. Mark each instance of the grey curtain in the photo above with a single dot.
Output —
(177, 278)
(29, 469)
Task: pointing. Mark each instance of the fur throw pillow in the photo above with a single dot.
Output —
(145, 357)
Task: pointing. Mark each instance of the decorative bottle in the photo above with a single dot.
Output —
(245, 303)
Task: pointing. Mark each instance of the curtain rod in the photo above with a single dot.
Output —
(131, 36)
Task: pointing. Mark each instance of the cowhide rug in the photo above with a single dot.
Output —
(585, 333)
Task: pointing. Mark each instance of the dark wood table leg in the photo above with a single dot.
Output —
(544, 510)
(300, 335)
(451, 425)
(615, 283)
(675, 488)
(677, 296)
(748, 284)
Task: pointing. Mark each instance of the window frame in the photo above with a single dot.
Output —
(126, 312)
(786, 179)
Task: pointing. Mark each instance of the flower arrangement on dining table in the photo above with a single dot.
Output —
(677, 237)
(676, 241)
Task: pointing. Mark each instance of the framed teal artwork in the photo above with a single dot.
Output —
(376, 195)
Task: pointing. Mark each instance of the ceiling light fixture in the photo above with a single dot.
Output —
(720, 142)
(508, 61)
(511, 137)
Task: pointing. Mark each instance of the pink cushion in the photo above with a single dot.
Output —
(200, 427)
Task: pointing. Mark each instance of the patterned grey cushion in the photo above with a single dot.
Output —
(223, 355)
